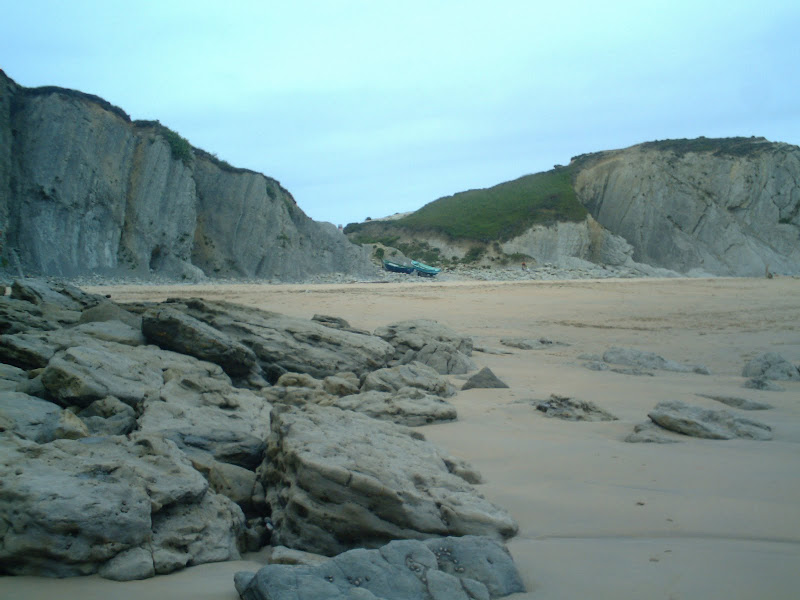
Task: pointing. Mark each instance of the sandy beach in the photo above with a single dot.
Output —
(599, 518)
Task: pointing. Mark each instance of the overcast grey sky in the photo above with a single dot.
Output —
(366, 108)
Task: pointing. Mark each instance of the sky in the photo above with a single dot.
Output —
(368, 108)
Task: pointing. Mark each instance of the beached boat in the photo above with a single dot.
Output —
(424, 270)
(395, 267)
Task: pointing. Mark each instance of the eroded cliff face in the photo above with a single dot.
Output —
(84, 190)
(731, 209)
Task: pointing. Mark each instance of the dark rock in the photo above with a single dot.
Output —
(570, 409)
(452, 568)
(711, 424)
(483, 379)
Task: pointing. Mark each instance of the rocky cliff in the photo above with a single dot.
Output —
(83, 189)
(724, 206)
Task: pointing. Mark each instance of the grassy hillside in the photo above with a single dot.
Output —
(497, 213)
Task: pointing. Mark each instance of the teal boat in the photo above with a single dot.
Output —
(396, 267)
(424, 270)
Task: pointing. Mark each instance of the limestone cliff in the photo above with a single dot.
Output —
(726, 207)
(83, 189)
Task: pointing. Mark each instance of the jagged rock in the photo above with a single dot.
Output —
(173, 330)
(408, 406)
(760, 383)
(452, 568)
(19, 315)
(530, 344)
(650, 433)
(336, 480)
(430, 343)
(286, 344)
(38, 420)
(484, 379)
(414, 375)
(27, 350)
(570, 409)
(61, 295)
(72, 505)
(771, 365)
(648, 360)
(712, 424)
(740, 403)
(206, 414)
(279, 394)
(108, 416)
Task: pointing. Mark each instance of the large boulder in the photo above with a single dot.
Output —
(430, 343)
(452, 568)
(70, 507)
(704, 423)
(771, 365)
(286, 344)
(336, 480)
(38, 420)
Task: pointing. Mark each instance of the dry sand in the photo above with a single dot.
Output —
(599, 518)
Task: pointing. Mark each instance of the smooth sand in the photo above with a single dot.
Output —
(599, 518)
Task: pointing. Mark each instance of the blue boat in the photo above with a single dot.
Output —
(395, 267)
(424, 270)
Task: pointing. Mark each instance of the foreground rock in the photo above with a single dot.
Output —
(126, 507)
(771, 365)
(429, 343)
(648, 360)
(570, 409)
(703, 423)
(337, 480)
(452, 568)
(412, 375)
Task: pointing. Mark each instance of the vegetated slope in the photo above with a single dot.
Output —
(722, 206)
(85, 190)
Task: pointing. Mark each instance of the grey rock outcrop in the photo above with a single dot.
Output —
(336, 480)
(529, 344)
(711, 424)
(429, 343)
(726, 207)
(408, 406)
(771, 365)
(736, 402)
(89, 191)
(452, 568)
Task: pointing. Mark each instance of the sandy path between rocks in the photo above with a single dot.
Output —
(599, 518)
